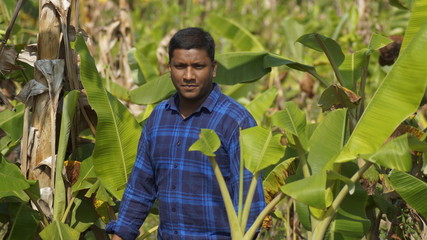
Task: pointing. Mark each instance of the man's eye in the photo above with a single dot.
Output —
(198, 66)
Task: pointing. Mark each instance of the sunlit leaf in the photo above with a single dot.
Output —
(292, 119)
(12, 121)
(207, 143)
(326, 141)
(260, 148)
(241, 38)
(298, 190)
(261, 103)
(60, 231)
(395, 154)
(117, 131)
(411, 189)
(416, 21)
(378, 41)
(397, 97)
(277, 177)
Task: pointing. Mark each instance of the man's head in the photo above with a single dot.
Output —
(192, 37)
(192, 65)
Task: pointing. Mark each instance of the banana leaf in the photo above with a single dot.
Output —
(11, 178)
(394, 154)
(83, 214)
(411, 189)
(240, 37)
(417, 19)
(153, 91)
(25, 221)
(117, 131)
(68, 110)
(292, 119)
(59, 231)
(12, 121)
(207, 144)
(260, 148)
(327, 141)
(397, 97)
(276, 178)
(261, 103)
(87, 176)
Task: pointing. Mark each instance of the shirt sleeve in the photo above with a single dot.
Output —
(139, 195)
(258, 202)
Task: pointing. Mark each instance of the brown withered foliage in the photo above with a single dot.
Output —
(389, 53)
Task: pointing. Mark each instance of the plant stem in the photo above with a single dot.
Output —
(301, 155)
(248, 202)
(328, 55)
(236, 232)
(67, 210)
(361, 107)
(12, 22)
(242, 166)
(258, 221)
(320, 230)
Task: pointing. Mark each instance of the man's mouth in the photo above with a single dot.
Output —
(189, 86)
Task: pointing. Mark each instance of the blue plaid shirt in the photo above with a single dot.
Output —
(190, 201)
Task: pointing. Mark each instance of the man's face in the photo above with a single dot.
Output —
(192, 72)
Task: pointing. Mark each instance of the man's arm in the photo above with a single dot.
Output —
(116, 237)
(138, 198)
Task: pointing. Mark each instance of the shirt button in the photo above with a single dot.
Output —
(178, 143)
(173, 187)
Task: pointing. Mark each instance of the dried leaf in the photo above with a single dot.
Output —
(8, 56)
(31, 89)
(28, 55)
(335, 97)
(72, 169)
(53, 71)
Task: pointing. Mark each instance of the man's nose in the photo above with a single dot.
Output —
(189, 73)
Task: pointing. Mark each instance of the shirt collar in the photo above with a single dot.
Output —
(208, 104)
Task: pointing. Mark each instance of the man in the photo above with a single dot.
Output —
(190, 201)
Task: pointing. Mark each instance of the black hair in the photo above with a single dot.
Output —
(192, 37)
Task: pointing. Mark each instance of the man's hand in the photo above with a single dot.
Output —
(116, 237)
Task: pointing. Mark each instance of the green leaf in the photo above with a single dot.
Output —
(416, 21)
(68, 110)
(12, 121)
(25, 221)
(315, 196)
(11, 178)
(59, 231)
(261, 103)
(395, 154)
(327, 45)
(153, 91)
(411, 189)
(351, 221)
(260, 148)
(239, 67)
(378, 41)
(241, 38)
(117, 131)
(277, 177)
(292, 119)
(208, 143)
(351, 68)
(397, 97)
(83, 214)
(327, 141)
(303, 215)
(87, 176)
(332, 175)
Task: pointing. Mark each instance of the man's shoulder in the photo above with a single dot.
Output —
(231, 109)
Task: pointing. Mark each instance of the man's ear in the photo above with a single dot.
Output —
(215, 64)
